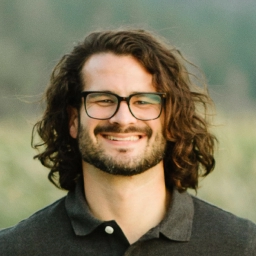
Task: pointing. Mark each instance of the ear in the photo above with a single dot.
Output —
(73, 121)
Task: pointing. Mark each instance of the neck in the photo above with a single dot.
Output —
(136, 203)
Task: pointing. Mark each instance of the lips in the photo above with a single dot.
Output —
(112, 130)
(129, 138)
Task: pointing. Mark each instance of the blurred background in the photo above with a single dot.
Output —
(218, 36)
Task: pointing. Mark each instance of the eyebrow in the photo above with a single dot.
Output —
(133, 92)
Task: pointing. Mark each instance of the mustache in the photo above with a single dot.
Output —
(115, 128)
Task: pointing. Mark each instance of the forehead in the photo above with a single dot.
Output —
(108, 71)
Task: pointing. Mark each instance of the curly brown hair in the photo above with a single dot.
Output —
(190, 145)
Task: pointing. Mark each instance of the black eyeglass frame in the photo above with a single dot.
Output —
(84, 94)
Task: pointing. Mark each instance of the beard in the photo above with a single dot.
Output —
(120, 164)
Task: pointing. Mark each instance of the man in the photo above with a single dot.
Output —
(122, 133)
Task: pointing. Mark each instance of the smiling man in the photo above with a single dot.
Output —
(122, 133)
(119, 135)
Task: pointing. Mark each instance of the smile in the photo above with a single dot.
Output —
(130, 138)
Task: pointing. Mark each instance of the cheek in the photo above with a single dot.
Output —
(89, 125)
(162, 123)
(157, 125)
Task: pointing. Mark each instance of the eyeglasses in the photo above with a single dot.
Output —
(104, 105)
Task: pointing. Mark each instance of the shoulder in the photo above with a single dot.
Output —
(213, 214)
(221, 227)
(40, 219)
(37, 229)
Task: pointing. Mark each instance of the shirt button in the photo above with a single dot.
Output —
(109, 230)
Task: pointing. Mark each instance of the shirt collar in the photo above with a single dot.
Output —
(82, 220)
(177, 224)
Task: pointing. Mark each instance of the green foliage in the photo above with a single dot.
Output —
(24, 187)
(218, 36)
(232, 184)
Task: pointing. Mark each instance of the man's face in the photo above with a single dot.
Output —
(121, 145)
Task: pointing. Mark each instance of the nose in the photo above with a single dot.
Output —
(123, 116)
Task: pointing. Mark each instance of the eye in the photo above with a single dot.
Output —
(142, 102)
(101, 99)
(146, 99)
(104, 101)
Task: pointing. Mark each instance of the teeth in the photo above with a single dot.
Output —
(131, 138)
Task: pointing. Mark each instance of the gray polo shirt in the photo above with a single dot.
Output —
(190, 227)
